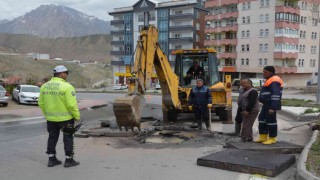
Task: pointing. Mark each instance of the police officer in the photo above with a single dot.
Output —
(270, 96)
(59, 105)
(199, 98)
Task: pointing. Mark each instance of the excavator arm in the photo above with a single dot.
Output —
(148, 54)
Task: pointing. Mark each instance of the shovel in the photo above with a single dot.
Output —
(290, 128)
(209, 107)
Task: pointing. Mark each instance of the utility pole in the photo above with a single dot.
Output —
(315, 16)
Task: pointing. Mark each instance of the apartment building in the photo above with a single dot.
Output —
(181, 24)
(251, 34)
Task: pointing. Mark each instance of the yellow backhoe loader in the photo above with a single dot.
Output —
(175, 87)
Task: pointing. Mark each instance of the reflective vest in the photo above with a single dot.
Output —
(271, 93)
(58, 100)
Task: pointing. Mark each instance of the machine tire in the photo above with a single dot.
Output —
(169, 116)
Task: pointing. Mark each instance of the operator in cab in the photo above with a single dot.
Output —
(195, 72)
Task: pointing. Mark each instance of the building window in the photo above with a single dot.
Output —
(242, 61)
(176, 35)
(197, 37)
(198, 26)
(178, 12)
(267, 18)
(140, 18)
(267, 33)
(248, 19)
(247, 62)
(261, 3)
(248, 47)
(266, 47)
(242, 48)
(261, 18)
(261, 33)
(243, 20)
(152, 16)
(261, 47)
(260, 62)
(248, 33)
(177, 47)
(265, 62)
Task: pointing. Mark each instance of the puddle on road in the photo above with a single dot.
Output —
(169, 137)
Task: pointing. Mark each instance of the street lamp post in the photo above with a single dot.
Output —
(315, 16)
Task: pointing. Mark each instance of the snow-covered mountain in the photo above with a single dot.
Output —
(55, 21)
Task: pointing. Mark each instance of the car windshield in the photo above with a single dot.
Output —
(30, 89)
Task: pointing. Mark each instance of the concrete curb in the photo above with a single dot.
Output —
(302, 173)
(299, 117)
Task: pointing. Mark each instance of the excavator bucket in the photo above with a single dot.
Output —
(127, 110)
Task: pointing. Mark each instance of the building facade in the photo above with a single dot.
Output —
(181, 24)
(251, 34)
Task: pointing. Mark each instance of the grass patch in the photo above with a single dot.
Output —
(314, 108)
(313, 161)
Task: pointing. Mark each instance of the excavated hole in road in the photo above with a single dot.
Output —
(167, 137)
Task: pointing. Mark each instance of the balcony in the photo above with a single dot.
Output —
(182, 28)
(116, 22)
(117, 63)
(229, 27)
(117, 43)
(221, 42)
(227, 68)
(286, 40)
(119, 32)
(286, 24)
(181, 40)
(182, 16)
(287, 9)
(283, 70)
(284, 55)
(232, 55)
(117, 53)
(217, 3)
(227, 15)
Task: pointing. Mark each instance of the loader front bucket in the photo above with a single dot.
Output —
(127, 110)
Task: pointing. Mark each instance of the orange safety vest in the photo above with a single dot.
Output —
(273, 79)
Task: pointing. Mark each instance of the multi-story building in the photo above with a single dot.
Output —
(181, 24)
(251, 34)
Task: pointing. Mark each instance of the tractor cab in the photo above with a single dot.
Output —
(194, 64)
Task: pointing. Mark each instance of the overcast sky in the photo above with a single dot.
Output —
(10, 9)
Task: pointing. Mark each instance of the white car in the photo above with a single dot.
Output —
(120, 86)
(4, 96)
(26, 94)
(158, 86)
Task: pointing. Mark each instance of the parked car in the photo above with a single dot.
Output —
(256, 83)
(26, 94)
(158, 86)
(4, 96)
(120, 86)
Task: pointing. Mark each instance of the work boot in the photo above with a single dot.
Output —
(70, 162)
(53, 161)
(262, 138)
(271, 140)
